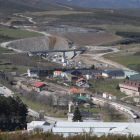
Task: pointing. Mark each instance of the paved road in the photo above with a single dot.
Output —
(99, 57)
(5, 91)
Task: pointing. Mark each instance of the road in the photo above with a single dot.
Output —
(99, 57)
(4, 90)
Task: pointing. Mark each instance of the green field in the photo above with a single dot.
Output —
(129, 61)
(5, 50)
(19, 69)
(18, 33)
(108, 86)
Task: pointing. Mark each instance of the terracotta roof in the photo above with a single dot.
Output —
(80, 79)
(72, 76)
(111, 95)
(74, 90)
(58, 71)
(37, 84)
(130, 83)
(82, 84)
(105, 93)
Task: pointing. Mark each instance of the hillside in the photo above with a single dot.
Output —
(101, 3)
(12, 6)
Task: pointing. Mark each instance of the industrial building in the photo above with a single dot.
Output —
(114, 74)
(96, 128)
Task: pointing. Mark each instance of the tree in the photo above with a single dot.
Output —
(77, 115)
(117, 87)
(93, 67)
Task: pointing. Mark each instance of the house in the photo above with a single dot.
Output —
(89, 76)
(112, 97)
(37, 86)
(57, 74)
(80, 81)
(72, 78)
(130, 88)
(105, 95)
(85, 114)
(135, 77)
(36, 72)
(76, 92)
(137, 100)
(71, 72)
(86, 85)
(114, 74)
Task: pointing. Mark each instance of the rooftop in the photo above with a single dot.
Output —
(58, 71)
(80, 79)
(105, 93)
(131, 84)
(111, 95)
(74, 90)
(72, 76)
(37, 84)
(113, 72)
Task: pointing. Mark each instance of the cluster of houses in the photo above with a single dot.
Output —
(109, 96)
(80, 77)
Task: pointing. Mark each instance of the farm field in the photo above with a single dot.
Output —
(18, 33)
(108, 86)
(5, 50)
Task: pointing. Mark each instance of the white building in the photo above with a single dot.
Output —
(96, 128)
(105, 95)
(57, 73)
(112, 97)
(137, 100)
(89, 76)
(114, 74)
(34, 72)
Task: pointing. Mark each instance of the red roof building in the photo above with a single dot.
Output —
(130, 88)
(77, 92)
(37, 86)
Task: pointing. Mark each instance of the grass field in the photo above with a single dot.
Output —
(19, 69)
(56, 13)
(108, 86)
(17, 33)
(5, 50)
(129, 61)
(36, 107)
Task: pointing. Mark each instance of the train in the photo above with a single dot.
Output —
(117, 106)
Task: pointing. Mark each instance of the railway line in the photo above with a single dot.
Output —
(120, 107)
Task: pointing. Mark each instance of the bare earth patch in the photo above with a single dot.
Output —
(90, 39)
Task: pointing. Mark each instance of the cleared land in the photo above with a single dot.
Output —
(90, 39)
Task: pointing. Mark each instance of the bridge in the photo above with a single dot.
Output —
(63, 51)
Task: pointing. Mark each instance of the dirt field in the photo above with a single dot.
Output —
(90, 39)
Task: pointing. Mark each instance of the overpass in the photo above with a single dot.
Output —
(63, 51)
